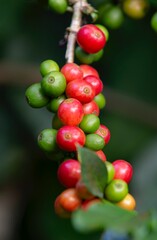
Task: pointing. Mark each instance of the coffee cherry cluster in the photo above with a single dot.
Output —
(74, 95)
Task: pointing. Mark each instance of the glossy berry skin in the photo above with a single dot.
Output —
(100, 100)
(47, 140)
(69, 200)
(123, 170)
(71, 71)
(82, 191)
(127, 203)
(48, 66)
(101, 155)
(88, 70)
(90, 38)
(35, 96)
(59, 210)
(53, 105)
(81, 90)
(96, 83)
(116, 190)
(69, 136)
(104, 132)
(69, 173)
(94, 142)
(84, 57)
(70, 112)
(91, 108)
(53, 84)
(104, 30)
(110, 171)
(90, 123)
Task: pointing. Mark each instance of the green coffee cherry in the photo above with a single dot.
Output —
(53, 105)
(35, 96)
(94, 142)
(97, 56)
(48, 66)
(100, 100)
(84, 57)
(56, 122)
(90, 123)
(59, 6)
(47, 140)
(154, 22)
(113, 17)
(53, 84)
(104, 30)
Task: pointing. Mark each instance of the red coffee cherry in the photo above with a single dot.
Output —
(69, 136)
(91, 108)
(70, 112)
(81, 90)
(59, 210)
(69, 172)
(123, 170)
(101, 155)
(69, 200)
(90, 38)
(104, 132)
(72, 71)
(95, 82)
(88, 70)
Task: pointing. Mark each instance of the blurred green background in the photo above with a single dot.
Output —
(29, 34)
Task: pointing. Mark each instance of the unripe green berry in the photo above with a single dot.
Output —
(35, 96)
(59, 6)
(53, 84)
(47, 140)
(48, 66)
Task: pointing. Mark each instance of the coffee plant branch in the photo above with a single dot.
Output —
(79, 7)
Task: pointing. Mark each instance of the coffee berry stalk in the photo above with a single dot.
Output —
(73, 93)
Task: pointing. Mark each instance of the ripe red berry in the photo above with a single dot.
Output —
(123, 170)
(88, 70)
(71, 71)
(59, 210)
(101, 155)
(69, 172)
(69, 200)
(70, 112)
(91, 108)
(90, 38)
(95, 82)
(80, 90)
(69, 136)
(104, 132)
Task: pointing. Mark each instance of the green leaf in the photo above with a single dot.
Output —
(93, 171)
(101, 216)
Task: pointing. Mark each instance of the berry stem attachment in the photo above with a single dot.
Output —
(74, 27)
(79, 7)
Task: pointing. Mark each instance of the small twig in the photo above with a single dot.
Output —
(79, 7)
(74, 27)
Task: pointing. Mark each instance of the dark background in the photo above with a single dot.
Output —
(29, 34)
